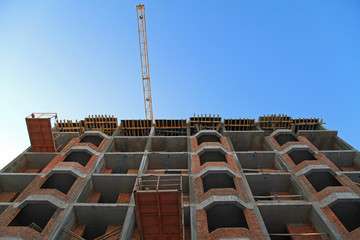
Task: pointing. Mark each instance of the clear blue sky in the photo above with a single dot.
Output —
(233, 58)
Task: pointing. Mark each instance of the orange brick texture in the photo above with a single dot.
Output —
(76, 142)
(254, 231)
(321, 159)
(347, 186)
(8, 196)
(355, 234)
(58, 160)
(240, 191)
(223, 143)
(303, 228)
(34, 189)
(25, 232)
(94, 197)
(124, 198)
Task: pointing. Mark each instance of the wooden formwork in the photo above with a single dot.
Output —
(105, 124)
(170, 127)
(69, 126)
(273, 122)
(159, 207)
(135, 127)
(204, 123)
(241, 124)
(307, 123)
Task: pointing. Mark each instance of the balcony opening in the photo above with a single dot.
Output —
(225, 216)
(217, 180)
(129, 144)
(169, 144)
(287, 222)
(298, 156)
(212, 156)
(274, 187)
(208, 138)
(94, 139)
(80, 157)
(34, 215)
(60, 181)
(160, 163)
(321, 180)
(284, 138)
(348, 213)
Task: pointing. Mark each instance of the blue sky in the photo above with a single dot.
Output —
(233, 58)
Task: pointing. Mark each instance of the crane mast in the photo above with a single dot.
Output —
(140, 9)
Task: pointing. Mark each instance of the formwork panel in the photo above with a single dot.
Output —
(40, 134)
(159, 212)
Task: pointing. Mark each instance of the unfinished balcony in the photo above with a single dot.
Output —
(80, 157)
(348, 213)
(112, 189)
(34, 215)
(325, 140)
(60, 181)
(115, 163)
(300, 155)
(284, 138)
(208, 138)
(169, 144)
(247, 140)
(348, 161)
(285, 222)
(354, 176)
(11, 185)
(274, 187)
(269, 162)
(226, 215)
(29, 163)
(322, 179)
(92, 138)
(94, 222)
(212, 156)
(128, 144)
(216, 180)
(163, 163)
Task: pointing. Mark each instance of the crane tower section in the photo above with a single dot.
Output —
(144, 61)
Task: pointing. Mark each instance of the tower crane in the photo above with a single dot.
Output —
(140, 9)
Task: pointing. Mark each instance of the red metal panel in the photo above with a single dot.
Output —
(159, 214)
(40, 134)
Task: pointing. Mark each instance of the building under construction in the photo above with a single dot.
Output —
(204, 177)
